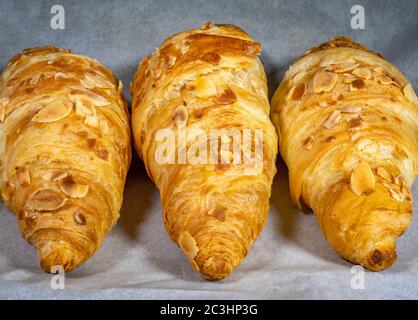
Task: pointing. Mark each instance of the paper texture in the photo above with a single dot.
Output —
(291, 259)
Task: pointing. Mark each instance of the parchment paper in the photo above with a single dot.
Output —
(290, 259)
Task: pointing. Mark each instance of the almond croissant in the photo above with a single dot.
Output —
(196, 81)
(65, 152)
(348, 126)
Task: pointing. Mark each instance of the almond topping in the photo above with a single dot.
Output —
(351, 109)
(343, 67)
(218, 213)
(364, 73)
(188, 244)
(73, 189)
(308, 143)
(91, 121)
(383, 79)
(349, 78)
(23, 176)
(77, 94)
(384, 174)
(181, 114)
(55, 175)
(354, 122)
(212, 58)
(357, 84)
(362, 179)
(46, 200)
(333, 119)
(79, 218)
(324, 81)
(169, 61)
(226, 97)
(204, 88)
(84, 107)
(54, 111)
(206, 25)
(299, 91)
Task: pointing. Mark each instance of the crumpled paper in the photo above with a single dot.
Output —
(291, 259)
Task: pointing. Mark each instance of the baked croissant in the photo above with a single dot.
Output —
(197, 81)
(65, 152)
(348, 125)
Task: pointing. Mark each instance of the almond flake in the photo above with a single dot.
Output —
(364, 73)
(23, 176)
(54, 111)
(362, 143)
(45, 200)
(383, 79)
(54, 175)
(343, 67)
(324, 81)
(348, 78)
(333, 119)
(188, 244)
(226, 97)
(79, 218)
(84, 107)
(91, 121)
(351, 109)
(181, 114)
(394, 191)
(73, 189)
(206, 26)
(308, 143)
(35, 78)
(362, 179)
(204, 88)
(169, 61)
(299, 91)
(384, 174)
(218, 213)
(357, 84)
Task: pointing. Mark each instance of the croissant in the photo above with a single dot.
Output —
(214, 205)
(347, 122)
(65, 151)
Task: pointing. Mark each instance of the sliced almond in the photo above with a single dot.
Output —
(79, 218)
(23, 176)
(78, 93)
(384, 174)
(8, 190)
(188, 244)
(212, 58)
(362, 143)
(91, 121)
(324, 81)
(354, 123)
(61, 75)
(54, 111)
(395, 191)
(226, 97)
(35, 78)
(383, 79)
(363, 72)
(343, 67)
(351, 109)
(97, 81)
(410, 94)
(181, 114)
(298, 92)
(308, 143)
(362, 179)
(73, 189)
(46, 200)
(169, 61)
(357, 84)
(333, 119)
(348, 78)
(55, 175)
(204, 87)
(206, 26)
(84, 107)
(218, 213)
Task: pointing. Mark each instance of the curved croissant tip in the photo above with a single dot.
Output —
(215, 268)
(55, 253)
(380, 259)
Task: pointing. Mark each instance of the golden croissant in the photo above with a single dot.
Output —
(347, 122)
(65, 152)
(197, 81)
